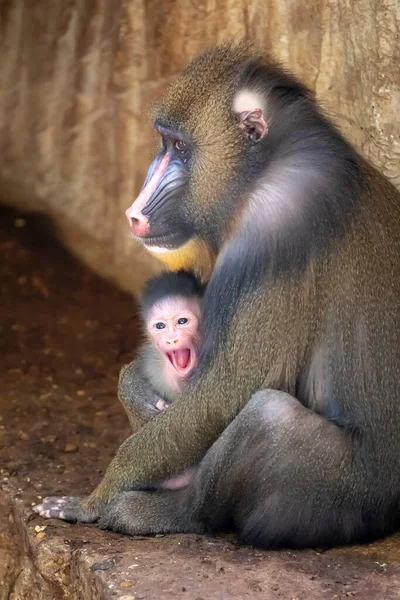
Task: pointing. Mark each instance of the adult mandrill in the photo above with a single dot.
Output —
(294, 412)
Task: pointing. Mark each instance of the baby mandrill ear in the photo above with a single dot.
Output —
(253, 124)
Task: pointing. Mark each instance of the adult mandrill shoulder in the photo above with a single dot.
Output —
(293, 410)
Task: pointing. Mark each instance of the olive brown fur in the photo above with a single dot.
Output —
(294, 410)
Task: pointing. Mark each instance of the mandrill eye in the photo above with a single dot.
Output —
(160, 325)
(182, 148)
(183, 321)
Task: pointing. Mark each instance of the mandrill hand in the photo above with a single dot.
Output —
(68, 508)
(84, 509)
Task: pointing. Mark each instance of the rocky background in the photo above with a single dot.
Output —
(77, 79)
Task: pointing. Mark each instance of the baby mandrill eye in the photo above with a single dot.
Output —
(160, 325)
(182, 321)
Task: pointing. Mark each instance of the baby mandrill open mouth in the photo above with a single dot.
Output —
(183, 360)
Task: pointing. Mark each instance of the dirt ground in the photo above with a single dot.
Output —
(64, 335)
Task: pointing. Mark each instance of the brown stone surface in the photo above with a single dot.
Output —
(64, 335)
(77, 78)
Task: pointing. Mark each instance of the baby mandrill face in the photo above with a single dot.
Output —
(173, 326)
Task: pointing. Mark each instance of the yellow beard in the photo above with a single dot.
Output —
(195, 256)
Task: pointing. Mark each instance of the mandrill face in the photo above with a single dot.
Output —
(173, 327)
(193, 186)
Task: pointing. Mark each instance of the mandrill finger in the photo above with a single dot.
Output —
(162, 405)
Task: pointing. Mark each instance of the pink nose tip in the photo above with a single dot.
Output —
(138, 224)
(170, 342)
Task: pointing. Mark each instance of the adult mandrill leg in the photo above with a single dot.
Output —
(196, 508)
(185, 510)
(144, 513)
(278, 473)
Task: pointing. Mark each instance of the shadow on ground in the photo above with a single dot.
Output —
(64, 335)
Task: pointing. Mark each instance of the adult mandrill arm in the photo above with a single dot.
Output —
(163, 447)
(168, 444)
(180, 436)
(233, 367)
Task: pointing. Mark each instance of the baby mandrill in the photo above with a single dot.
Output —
(171, 309)
(171, 305)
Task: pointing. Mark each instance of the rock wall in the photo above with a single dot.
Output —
(77, 78)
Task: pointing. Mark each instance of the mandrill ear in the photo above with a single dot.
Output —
(253, 124)
(248, 105)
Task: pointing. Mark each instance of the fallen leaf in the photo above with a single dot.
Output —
(70, 447)
(40, 286)
(125, 584)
